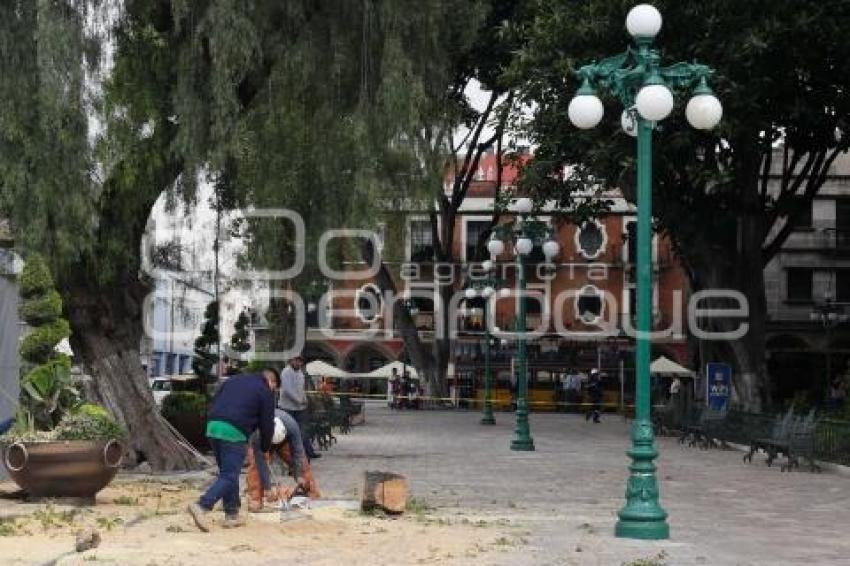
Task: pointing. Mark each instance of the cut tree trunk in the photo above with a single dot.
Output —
(106, 336)
(384, 490)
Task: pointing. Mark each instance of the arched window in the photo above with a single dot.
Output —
(368, 303)
(589, 304)
(591, 239)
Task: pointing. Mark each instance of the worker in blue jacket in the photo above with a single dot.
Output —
(243, 404)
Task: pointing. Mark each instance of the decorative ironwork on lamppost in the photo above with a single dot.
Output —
(486, 288)
(829, 314)
(525, 233)
(636, 78)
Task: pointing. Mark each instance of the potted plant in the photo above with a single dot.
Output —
(59, 446)
(187, 413)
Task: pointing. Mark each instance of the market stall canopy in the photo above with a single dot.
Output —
(387, 370)
(318, 368)
(666, 366)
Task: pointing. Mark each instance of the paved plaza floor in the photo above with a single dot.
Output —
(563, 497)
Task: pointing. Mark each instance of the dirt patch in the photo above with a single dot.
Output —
(144, 523)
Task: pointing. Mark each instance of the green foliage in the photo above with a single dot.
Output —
(48, 391)
(38, 345)
(35, 280)
(206, 356)
(89, 424)
(183, 403)
(239, 342)
(42, 309)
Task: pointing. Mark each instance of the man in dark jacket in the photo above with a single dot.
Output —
(243, 404)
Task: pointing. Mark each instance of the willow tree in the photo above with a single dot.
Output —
(301, 104)
(782, 74)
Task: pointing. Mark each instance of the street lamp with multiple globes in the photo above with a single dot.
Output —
(525, 233)
(636, 78)
(486, 288)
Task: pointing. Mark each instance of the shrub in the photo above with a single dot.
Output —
(37, 347)
(43, 309)
(47, 389)
(87, 423)
(183, 403)
(35, 279)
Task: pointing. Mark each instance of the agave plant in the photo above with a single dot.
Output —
(48, 392)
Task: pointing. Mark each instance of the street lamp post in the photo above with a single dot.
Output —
(525, 234)
(829, 315)
(636, 78)
(487, 288)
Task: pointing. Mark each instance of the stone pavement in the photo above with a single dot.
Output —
(564, 496)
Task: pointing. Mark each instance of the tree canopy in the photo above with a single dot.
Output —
(782, 76)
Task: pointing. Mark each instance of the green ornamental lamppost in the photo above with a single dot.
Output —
(526, 232)
(486, 287)
(644, 88)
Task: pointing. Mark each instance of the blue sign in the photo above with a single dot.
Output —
(718, 382)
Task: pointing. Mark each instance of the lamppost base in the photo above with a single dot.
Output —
(522, 444)
(488, 420)
(642, 529)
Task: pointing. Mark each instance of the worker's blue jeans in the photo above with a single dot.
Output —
(6, 425)
(229, 456)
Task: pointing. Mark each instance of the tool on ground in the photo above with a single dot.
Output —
(295, 500)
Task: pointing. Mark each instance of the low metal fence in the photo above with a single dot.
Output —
(832, 435)
(832, 441)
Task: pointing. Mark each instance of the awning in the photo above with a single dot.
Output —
(665, 366)
(318, 368)
(387, 370)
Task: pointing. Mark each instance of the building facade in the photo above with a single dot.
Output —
(581, 304)
(810, 276)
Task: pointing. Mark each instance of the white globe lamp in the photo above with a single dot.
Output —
(470, 293)
(524, 245)
(629, 123)
(551, 249)
(524, 205)
(644, 20)
(488, 291)
(654, 102)
(704, 111)
(487, 265)
(495, 246)
(585, 111)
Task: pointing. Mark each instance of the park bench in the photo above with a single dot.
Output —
(775, 443)
(801, 444)
(703, 427)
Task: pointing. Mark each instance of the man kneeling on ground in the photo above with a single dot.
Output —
(287, 444)
(243, 404)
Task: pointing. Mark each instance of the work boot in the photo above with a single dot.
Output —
(255, 506)
(200, 516)
(233, 521)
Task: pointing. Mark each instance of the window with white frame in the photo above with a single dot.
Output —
(589, 304)
(368, 303)
(591, 239)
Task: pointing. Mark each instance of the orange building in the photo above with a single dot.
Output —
(580, 305)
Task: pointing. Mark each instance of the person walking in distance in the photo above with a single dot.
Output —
(243, 404)
(594, 389)
(293, 400)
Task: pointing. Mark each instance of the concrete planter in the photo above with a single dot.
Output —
(65, 468)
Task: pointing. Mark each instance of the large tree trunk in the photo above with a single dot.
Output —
(739, 270)
(106, 335)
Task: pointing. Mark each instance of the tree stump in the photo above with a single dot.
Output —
(384, 490)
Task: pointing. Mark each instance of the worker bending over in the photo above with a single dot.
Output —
(288, 445)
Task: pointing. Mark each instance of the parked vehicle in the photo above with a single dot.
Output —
(160, 387)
